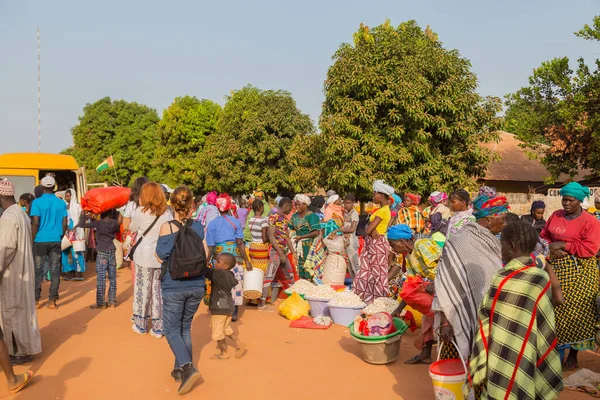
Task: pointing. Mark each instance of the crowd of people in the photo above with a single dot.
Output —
(509, 294)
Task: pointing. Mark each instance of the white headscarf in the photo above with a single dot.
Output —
(333, 199)
(302, 198)
(75, 213)
(382, 187)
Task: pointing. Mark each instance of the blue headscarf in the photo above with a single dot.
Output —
(398, 232)
(486, 206)
(574, 189)
(397, 200)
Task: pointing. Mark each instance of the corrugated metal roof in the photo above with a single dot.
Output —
(517, 163)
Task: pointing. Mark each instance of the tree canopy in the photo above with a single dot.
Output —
(125, 130)
(182, 131)
(561, 108)
(259, 133)
(400, 107)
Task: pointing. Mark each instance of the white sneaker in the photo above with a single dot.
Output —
(155, 335)
(137, 330)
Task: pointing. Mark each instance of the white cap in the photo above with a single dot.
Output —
(48, 182)
(166, 188)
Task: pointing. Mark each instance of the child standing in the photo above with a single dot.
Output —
(221, 305)
(106, 229)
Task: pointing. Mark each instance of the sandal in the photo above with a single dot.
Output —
(241, 352)
(219, 356)
(98, 306)
(27, 376)
(570, 366)
(417, 360)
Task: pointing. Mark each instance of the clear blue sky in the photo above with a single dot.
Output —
(152, 51)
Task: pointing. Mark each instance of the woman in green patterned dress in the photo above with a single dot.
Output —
(306, 224)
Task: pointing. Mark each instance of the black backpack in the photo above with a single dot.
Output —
(188, 259)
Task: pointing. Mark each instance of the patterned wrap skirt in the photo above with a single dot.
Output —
(259, 255)
(238, 271)
(576, 319)
(371, 282)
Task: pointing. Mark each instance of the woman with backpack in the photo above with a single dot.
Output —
(181, 296)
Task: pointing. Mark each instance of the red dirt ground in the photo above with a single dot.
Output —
(90, 354)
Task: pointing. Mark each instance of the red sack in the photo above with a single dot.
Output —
(307, 323)
(413, 293)
(103, 199)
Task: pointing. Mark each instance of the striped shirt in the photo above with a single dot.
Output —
(256, 225)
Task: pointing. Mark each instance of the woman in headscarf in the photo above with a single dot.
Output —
(411, 214)
(421, 257)
(459, 204)
(73, 263)
(439, 204)
(225, 235)
(535, 217)
(574, 237)
(335, 265)
(334, 211)
(514, 354)
(464, 272)
(306, 225)
(210, 211)
(371, 282)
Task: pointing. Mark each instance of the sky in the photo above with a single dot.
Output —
(153, 51)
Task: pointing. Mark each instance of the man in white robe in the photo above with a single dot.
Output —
(18, 316)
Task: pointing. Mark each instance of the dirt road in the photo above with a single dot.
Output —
(90, 354)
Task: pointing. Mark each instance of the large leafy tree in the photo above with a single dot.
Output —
(125, 130)
(182, 131)
(259, 144)
(561, 109)
(400, 107)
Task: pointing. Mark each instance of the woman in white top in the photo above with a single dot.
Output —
(146, 222)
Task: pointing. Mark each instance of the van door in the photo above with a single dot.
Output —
(81, 183)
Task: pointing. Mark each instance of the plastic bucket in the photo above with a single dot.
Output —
(448, 377)
(344, 315)
(318, 307)
(253, 283)
(79, 245)
(383, 351)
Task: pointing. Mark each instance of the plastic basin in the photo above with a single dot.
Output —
(344, 315)
(401, 327)
(318, 307)
(383, 351)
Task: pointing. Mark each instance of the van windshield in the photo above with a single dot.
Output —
(23, 184)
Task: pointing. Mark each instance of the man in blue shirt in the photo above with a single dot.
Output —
(49, 224)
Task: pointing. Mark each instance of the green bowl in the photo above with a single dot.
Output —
(401, 327)
(290, 293)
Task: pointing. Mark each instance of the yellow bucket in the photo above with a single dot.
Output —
(448, 377)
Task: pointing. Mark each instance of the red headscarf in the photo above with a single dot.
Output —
(223, 202)
(414, 197)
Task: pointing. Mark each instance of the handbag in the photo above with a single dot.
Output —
(131, 252)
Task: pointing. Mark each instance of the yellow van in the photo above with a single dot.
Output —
(25, 170)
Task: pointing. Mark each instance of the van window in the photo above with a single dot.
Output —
(23, 184)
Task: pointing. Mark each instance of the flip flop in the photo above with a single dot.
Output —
(416, 361)
(570, 366)
(26, 379)
(219, 356)
(241, 352)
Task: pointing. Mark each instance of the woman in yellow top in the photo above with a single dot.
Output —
(371, 282)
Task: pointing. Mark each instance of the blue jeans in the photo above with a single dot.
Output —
(40, 251)
(179, 308)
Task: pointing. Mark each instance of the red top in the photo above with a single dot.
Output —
(581, 235)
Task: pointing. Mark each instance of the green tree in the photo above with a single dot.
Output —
(400, 107)
(125, 130)
(182, 131)
(560, 109)
(258, 144)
